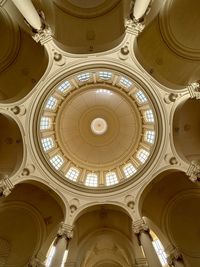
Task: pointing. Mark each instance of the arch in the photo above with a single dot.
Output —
(92, 20)
(115, 254)
(12, 146)
(48, 203)
(99, 229)
(97, 205)
(16, 62)
(23, 244)
(154, 204)
(186, 130)
(168, 49)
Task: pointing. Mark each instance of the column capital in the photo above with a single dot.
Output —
(193, 171)
(175, 255)
(134, 26)
(139, 226)
(43, 35)
(194, 90)
(6, 187)
(65, 230)
(35, 262)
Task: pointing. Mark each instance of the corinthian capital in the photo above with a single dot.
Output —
(174, 256)
(6, 187)
(194, 171)
(139, 226)
(65, 230)
(43, 35)
(34, 262)
(194, 90)
(134, 26)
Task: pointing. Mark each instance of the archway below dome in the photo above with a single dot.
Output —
(48, 209)
(11, 148)
(100, 238)
(171, 201)
(186, 130)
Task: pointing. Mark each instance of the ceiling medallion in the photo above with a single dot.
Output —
(97, 128)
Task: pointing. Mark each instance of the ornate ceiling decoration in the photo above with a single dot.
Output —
(97, 128)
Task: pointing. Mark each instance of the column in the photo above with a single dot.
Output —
(140, 8)
(175, 259)
(140, 259)
(142, 231)
(29, 12)
(61, 243)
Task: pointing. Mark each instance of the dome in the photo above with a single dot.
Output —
(97, 128)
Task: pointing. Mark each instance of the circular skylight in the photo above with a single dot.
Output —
(97, 128)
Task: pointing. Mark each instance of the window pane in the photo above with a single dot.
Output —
(105, 75)
(149, 115)
(72, 174)
(84, 77)
(47, 143)
(111, 178)
(51, 103)
(91, 180)
(129, 170)
(125, 82)
(140, 97)
(65, 86)
(142, 155)
(57, 161)
(45, 123)
(150, 136)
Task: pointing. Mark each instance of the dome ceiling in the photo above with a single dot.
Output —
(97, 128)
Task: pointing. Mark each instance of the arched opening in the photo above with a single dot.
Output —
(101, 23)
(11, 146)
(28, 218)
(172, 203)
(168, 48)
(22, 60)
(100, 239)
(186, 130)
